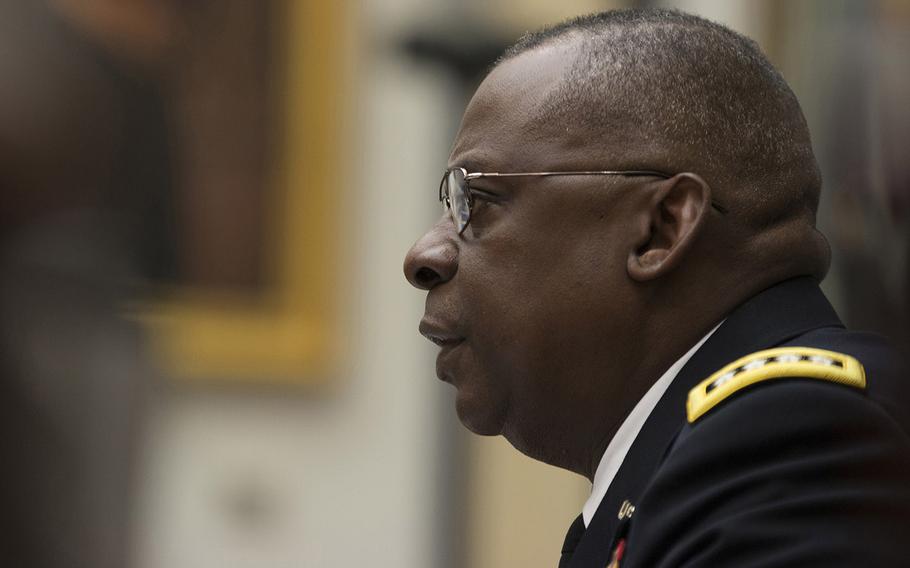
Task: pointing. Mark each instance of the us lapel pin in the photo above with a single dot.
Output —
(626, 510)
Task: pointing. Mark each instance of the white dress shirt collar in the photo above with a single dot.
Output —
(619, 446)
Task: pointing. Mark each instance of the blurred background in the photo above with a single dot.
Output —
(209, 352)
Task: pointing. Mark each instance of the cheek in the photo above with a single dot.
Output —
(538, 304)
(539, 308)
(536, 284)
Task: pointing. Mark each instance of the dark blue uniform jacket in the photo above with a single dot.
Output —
(786, 472)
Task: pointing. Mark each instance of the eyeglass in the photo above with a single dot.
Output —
(455, 193)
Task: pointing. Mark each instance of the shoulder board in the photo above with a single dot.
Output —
(781, 363)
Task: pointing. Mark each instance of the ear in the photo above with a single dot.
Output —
(669, 222)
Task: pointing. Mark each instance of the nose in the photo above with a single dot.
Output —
(433, 259)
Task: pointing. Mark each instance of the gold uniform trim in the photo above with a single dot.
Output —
(781, 363)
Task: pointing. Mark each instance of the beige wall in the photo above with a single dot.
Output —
(520, 510)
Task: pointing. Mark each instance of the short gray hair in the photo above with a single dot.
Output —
(702, 97)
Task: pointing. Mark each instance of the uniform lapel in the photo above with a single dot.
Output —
(772, 317)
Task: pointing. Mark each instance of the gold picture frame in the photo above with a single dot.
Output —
(290, 332)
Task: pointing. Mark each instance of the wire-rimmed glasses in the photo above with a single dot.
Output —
(455, 193)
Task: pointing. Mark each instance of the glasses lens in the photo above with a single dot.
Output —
(459, 205)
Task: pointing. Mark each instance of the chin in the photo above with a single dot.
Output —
(481, 419)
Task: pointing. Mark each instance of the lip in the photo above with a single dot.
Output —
(439, 333)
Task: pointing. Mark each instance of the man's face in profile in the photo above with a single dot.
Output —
(527, 300)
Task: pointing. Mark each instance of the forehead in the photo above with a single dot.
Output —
(502, 120)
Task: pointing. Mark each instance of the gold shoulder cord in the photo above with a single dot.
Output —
(781, 363)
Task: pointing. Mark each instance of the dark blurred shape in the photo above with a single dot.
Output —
(85, 180)
(79, 128)
(866, 174)
(469, 54)
(196, 121)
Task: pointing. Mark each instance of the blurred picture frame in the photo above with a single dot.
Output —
(283, 328)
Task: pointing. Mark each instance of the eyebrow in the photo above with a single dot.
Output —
(469, 165)
(474, 162)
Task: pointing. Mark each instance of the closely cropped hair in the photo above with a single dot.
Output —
(697, 96)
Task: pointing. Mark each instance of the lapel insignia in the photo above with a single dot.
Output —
(626, 510)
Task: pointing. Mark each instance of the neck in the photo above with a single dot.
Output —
(666, 325)
(577, 439)
(677, 323)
